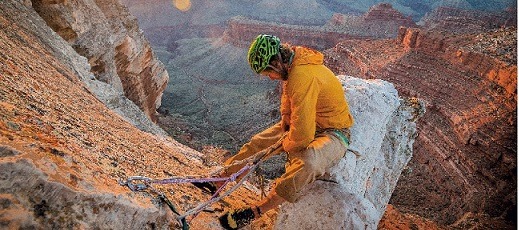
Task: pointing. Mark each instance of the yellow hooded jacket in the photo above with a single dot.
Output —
(312, 98)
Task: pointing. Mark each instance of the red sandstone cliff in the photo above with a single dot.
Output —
(109, 37)
(466, 148)
(385, 12)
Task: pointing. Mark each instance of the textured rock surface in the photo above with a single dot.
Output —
(382, 139)
(465, 153)
(62, 151)
(106, 34)
(22, 17)
(468, 21)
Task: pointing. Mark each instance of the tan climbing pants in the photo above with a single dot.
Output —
(302, 167)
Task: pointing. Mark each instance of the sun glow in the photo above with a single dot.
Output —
(182, 5)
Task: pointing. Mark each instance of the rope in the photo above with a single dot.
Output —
(257, 160)
(251, 164)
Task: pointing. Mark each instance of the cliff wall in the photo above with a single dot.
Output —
(491, 59)
(464, 160)
(241, 31)
(381, 21)
(468, 21)
(108, 36)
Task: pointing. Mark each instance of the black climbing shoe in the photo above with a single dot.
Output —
(208, 187)
(236, 219)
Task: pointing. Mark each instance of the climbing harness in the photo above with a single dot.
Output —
(342, 134)
(141, 183)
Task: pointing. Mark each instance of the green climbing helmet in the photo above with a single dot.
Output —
(261, 50)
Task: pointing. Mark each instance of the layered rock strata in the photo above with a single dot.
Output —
(386, 12)
(467, 21)
(108, 36)
(381, 21)
(465, 154)
(241, 31)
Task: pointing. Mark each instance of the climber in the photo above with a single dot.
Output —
(314, 113)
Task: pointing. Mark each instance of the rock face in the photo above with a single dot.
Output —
(464, 161)
(385, 12)
(108, 36)
(382, 140)
(61, 149)
(491, 57)
(24, 18)
(241, 31)
(467, 21)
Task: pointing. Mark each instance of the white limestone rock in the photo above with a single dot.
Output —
(381, 139)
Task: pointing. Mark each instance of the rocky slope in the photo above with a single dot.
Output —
(62, 150)
(465, 161)
(108, 36)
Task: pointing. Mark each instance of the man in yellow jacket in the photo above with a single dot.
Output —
(314, 113)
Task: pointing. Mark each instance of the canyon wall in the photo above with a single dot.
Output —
(241, 31)
(106, 34)
(385, 12)
(381, 21)
(497, 66)
(465, 153)
(468, 21)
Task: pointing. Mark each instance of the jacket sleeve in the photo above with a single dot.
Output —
(303, 93)
(257, 143)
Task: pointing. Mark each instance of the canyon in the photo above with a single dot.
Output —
(465, 151)
(81, 84)
(68, 142)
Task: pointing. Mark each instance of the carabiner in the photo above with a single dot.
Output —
(136, 186)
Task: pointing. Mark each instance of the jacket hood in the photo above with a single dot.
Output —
(306, 56)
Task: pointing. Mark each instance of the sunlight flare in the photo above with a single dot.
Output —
(182, 5)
